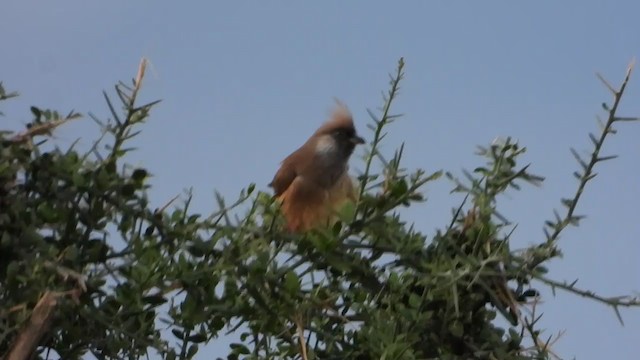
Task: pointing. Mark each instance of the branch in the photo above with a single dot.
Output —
(301, 340)
(614, 301)
(380, 124)
(134, 114)
(588, 173)
(41, 129)
(4, 95)
(38, 324)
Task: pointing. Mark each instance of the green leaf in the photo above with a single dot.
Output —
(155, 300)
(110, 167)
(394, 281)
(456, 328)
(139, 174)
(399, 188)
(36, 112)
(12, 269)
(347, 211)
(292, 282)
(239, 349)
(127, 190)
(217, 323)
(414, 300)
(78, 180)
(197, 338)
(178, 334)
(193, 350)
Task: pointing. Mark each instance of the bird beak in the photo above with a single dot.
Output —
(357, 140)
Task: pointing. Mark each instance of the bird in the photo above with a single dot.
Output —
(313, 181)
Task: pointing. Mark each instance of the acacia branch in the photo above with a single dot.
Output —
(613, 301)
(588, 173)
(38, 325)
(380, 124)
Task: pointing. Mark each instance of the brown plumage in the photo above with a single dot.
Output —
(313, 181)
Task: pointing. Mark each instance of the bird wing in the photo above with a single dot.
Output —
(304, 205)
(284, 177)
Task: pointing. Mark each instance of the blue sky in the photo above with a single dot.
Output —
(244, 83)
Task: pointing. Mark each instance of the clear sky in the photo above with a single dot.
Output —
(244, 83)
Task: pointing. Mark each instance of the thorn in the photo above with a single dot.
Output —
(615, 308)
(165, 206)
(632, 63)
(606, 83)
(605, 158)
(626, 118)
(578, 158)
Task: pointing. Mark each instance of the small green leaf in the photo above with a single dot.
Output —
(127, 190)
(514, 335)
(154, 300)
(12, 269)
(139, 174)
(541, 270)
(239, 349)
(292, 282)
(193, 349)
(456, 329)
(414, 301)
(400, 188)
(110, 167)
(178, 333)
(71, 253)
(36, 112)
(197, 338)
(217, 323)
(347, 211)
(394, 281)
(78, 180)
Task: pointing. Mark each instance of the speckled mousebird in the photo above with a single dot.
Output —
(313, 181)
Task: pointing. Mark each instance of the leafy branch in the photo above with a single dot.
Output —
(380, 124)
(4, 95)
(134, 114)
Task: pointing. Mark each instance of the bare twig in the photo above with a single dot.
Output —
(541, 346)
(303, 343)
(165, 206)
(614, 301)
(138, 80)
(44, 128)
(588, 173)
(66, 273)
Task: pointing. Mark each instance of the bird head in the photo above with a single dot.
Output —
(337, 137)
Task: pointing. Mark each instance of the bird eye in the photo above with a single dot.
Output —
(343, 133)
